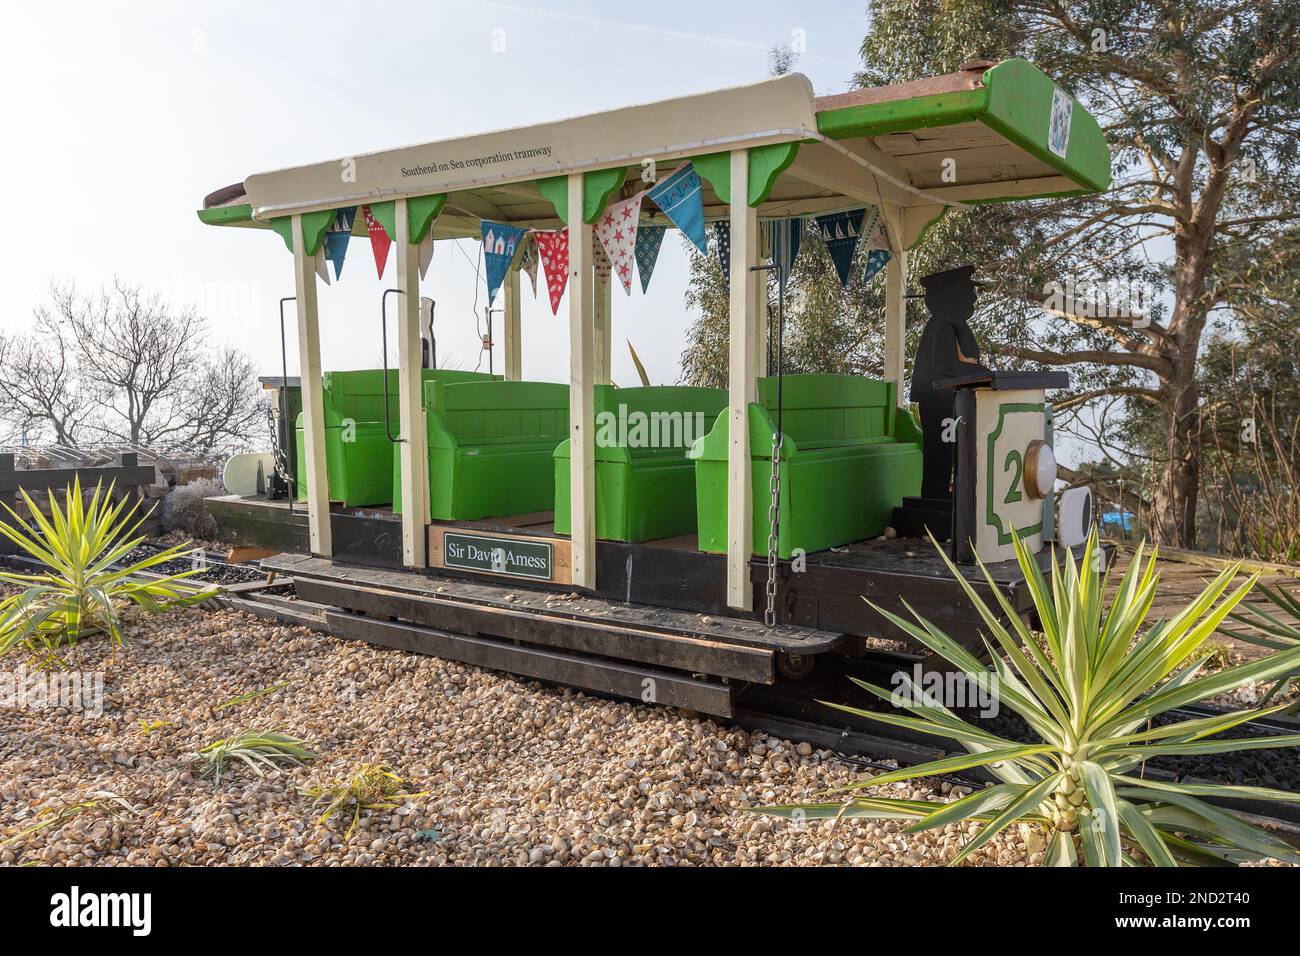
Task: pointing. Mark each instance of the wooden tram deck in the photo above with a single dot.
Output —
(644, 653)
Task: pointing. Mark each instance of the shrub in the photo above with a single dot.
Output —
(82, 588)
(184, 511)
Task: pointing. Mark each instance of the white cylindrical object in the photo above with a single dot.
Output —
(1075, 518)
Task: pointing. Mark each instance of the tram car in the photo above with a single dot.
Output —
(687, 540)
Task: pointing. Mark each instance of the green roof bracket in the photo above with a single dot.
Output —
(715, 169)
(314, 225)
(766, 163)
(421, 211)
(556, 191)
(385, 214)
(598, 187)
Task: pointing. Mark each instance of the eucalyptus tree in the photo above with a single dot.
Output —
(1201, 105)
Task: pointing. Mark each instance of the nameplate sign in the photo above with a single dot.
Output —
(529, 557)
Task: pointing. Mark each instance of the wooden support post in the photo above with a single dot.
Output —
(742, 370)
(513, 345)
(895, 307)
(582, 378)
(604, 295)
(313, 402)
(410, 396)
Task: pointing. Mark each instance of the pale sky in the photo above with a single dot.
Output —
(121, 116)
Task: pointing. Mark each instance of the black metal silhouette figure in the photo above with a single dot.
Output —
(947, 349)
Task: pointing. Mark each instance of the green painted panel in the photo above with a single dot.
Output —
(1015, 101)
(283, 227)
(358, 463)
(1020, 108)
(421, 211)
(896, 116)
(226, 215)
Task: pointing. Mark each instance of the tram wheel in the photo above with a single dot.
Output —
(795, 666)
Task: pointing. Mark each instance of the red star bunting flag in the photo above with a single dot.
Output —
(379, 241)
(553, 250)
(616, 230)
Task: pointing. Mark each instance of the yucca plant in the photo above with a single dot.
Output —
(1269, 630)
(82, 589)
(1089, 690)
(371, 787)
(260, 750)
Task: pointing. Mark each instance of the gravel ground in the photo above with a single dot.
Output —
(515, 773)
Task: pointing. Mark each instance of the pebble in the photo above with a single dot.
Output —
(509, 772)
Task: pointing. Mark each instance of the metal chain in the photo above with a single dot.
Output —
(774, 529)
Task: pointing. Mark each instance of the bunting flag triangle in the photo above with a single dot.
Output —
(322, 269)
(876, 260)
(722, 244)
(648, 241)
(426, 253)
(500, 243)
(553, 250)
(681, 199)
(877, 241)
(379, 241)
(782, 238)
(841, 231)
(528, 260)
(616, 228)
(337, 236)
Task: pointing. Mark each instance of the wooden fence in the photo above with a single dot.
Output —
(127, 475)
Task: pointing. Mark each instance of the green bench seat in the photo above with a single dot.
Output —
(358, 454)
(849, 456)
(490, 447)
(645, 483)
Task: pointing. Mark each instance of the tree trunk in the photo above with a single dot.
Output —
(1173, 517)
